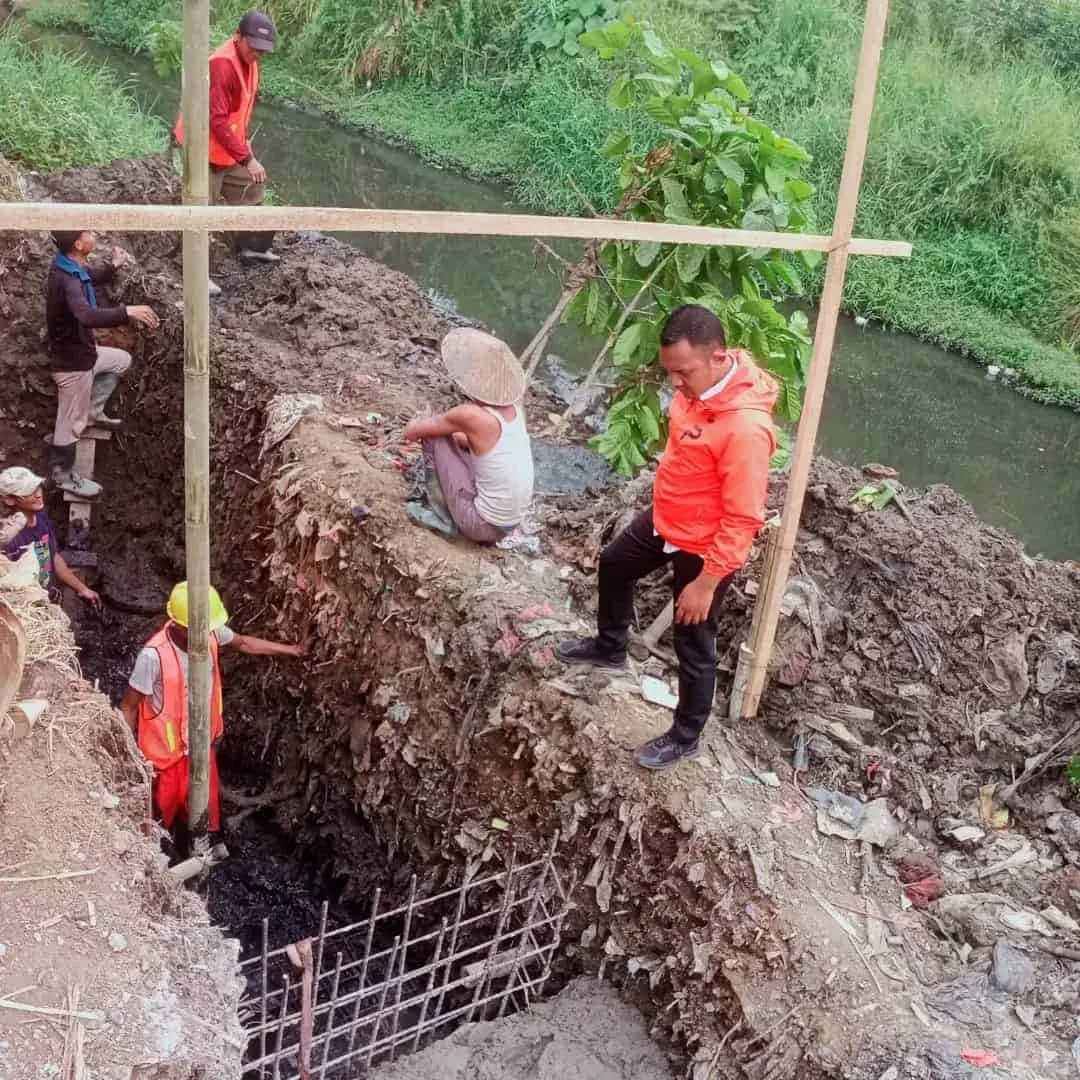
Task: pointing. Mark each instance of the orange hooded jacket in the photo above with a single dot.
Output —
(709, 493)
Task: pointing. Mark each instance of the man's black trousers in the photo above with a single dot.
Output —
(636, 552)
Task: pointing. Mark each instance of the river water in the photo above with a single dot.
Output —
(930, 414)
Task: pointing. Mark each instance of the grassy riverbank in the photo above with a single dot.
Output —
(58, 113)
(969, 156)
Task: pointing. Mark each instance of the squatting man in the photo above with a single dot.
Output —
(708, 505)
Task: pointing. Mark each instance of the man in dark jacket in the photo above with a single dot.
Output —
(85, 373)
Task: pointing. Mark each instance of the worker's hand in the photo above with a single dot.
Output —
(256, 171)
(695, 600)
(297, 651)
(411, 433)
(120, 257)
(91, 598)
(144, 314)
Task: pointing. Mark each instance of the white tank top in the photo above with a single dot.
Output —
(504, 475)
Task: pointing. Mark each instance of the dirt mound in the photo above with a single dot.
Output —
(925, 660)
(90, 925)
(585, 1033)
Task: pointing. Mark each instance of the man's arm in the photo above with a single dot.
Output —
(84, 313)
(129, 707)
(744, 480)
(66, 577)
(468, 420)
(223, 88)
(255, 646)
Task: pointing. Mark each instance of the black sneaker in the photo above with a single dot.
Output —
(666, 752)
(588, 651)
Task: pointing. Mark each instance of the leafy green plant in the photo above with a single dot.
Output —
(558, 30)
(164, 42)
(1072, 771)
(59, 14)
(711, 163)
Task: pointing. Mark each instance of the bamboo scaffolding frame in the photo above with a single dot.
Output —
(196, 106)
(205, 219)
(197, 220)
(767, 615)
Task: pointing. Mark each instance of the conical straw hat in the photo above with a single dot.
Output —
(483, 367)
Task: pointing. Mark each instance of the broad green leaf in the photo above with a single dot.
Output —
(648, 423)
(721, 71)
(811, 259)
(733, 191)
(626, 346)
(621, 94)
(595, 39)
(688, 260)
(734, 85)
(551, 35)
(798, 190)
(730, 167)
(586, 8)
(616, 145)
(646, 252)
(676, 208)
(774, 179)
(592, 301)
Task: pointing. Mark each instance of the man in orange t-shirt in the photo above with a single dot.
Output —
(708, 505)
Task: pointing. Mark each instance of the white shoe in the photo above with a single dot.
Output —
(215, 289)
(75, 484)
(260, 256)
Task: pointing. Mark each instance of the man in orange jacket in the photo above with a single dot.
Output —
(708, 505)
(237, 177)
(155, 704)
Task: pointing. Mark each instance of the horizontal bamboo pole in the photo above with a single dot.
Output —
(141, 218)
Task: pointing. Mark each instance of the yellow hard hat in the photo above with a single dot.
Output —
(177, 609)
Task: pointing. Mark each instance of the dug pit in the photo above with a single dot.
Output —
(926, 661)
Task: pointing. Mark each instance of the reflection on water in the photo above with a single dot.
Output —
(891, 399)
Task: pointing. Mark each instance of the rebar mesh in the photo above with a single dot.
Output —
(336, 1003)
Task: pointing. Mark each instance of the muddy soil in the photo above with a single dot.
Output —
(90, 926)
(585, 1033)
(928, 666)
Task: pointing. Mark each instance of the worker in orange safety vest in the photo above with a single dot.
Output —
(237, 176)
(155, 705)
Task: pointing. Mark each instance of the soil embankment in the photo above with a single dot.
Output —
(925, 661)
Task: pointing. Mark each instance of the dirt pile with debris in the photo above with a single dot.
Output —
(585, 1033)
(107, 968)
(907, 898)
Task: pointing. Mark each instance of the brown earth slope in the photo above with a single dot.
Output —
(924, 662)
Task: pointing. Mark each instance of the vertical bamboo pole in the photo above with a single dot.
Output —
(196, 108)
(829, 312)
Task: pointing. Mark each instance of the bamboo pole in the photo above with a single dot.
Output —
(196, 106)
(772, 594)
(198, 218)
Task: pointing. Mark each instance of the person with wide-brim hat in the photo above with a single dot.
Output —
(477, 454)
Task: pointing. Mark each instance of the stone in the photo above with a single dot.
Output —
(117, 942)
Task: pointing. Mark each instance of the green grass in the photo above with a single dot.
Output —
(59, 113)
(972, 155)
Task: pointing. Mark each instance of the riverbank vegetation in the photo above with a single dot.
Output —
(969, 156)
(58, 112)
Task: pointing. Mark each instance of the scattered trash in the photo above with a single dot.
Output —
(1026, 921)
(846, 817)
(360, 513)
(891, 1073)
(1011, 970)
(1076, 1052)
(874, 496)
(1026, 1015)
(519, 541)
(981, 1059)
(1056, 917)
(500, 824)
(921, 879)
(104, 799)
(657, 692)
(117, 942)
(769, 779)
(962, 1000)
(966, 834)
(799, 759)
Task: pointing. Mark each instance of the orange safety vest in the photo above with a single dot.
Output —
(163, 736)
(241, 118)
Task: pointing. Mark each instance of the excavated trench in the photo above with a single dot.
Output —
(429, 731)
